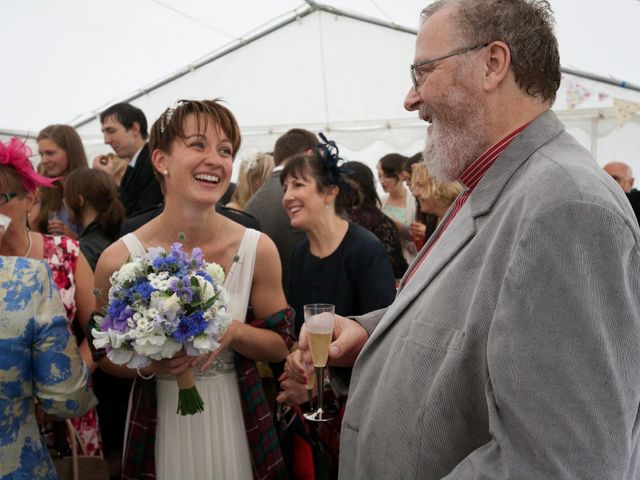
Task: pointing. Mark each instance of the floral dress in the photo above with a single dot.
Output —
(38, 360)
(61, 254)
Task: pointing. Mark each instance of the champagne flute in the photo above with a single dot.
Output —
(311, 383)
(318, 321)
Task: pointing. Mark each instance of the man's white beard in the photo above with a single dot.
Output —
(457, 135)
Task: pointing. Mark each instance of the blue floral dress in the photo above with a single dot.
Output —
(38, 360)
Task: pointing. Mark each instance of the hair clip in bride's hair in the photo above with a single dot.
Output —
(168, 115)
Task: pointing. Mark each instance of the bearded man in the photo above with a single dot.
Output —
(512, 348)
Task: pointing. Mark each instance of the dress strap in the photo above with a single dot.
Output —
(134, 246)
(240, 277)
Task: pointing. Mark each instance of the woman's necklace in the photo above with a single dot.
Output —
(182, 237)
(30, 244)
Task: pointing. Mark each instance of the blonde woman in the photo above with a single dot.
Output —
(434, 197)
(255, 167)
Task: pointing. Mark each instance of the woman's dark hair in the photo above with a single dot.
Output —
(362, 177)
(392, 164)
(311, 167)
(99, 190)
(411, 161)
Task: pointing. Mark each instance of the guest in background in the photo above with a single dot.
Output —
(92, 199)
(339, 262)
(398, 204)
(124, 128)
(621, 173)
(266, 204)
(61, 152)
(71, 272)
(422, 222)
(364, 210)
(434, 197)
(39, 362)
(112, 164)
(255, 168)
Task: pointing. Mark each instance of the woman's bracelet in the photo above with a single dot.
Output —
(149, 377)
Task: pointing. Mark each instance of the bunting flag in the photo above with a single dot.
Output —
(625, 110)
(576, 94)
(602, 96)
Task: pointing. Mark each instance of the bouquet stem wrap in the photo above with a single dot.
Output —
(189, 399)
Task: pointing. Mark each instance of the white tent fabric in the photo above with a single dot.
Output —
(309, 65)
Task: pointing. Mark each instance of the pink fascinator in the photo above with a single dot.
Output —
(16, 154)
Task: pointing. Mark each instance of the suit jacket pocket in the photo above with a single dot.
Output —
(435, 336)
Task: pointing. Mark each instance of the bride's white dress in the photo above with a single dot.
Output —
(211, 444)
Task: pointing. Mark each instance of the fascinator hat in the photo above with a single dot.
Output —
(328, 153)
(16, 154)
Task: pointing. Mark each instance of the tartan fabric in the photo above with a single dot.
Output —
(266, 458)
(141, 432)
(264, 444)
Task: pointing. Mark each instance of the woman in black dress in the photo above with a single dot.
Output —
(339, 263)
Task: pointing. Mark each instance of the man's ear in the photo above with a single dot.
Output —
(497, 63)
(135, 127)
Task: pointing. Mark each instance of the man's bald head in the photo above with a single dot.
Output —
(621, 173)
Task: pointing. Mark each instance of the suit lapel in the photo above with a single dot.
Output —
(463, 228)
(127, 176)
(458, 233)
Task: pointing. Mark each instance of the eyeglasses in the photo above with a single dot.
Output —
(6, 197)
(419, 76)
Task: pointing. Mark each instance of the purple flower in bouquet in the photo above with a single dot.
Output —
(118, 315)
(190, 326)
(182, 288)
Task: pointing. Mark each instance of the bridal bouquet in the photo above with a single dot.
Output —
(160, 303)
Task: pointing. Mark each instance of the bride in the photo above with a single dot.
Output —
(193, 145)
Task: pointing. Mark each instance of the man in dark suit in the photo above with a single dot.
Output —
(266, 204)
(125, 129)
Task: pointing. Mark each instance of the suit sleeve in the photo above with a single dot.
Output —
(563, 357)
(60, 376)
(369, 321)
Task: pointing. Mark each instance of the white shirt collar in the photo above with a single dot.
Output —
(134, 159)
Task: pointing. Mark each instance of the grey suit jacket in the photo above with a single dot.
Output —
(266, 206)
(513, 352)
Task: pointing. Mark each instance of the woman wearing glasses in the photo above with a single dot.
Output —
(71, 272)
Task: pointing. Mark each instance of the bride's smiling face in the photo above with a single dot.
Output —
(199, 165)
